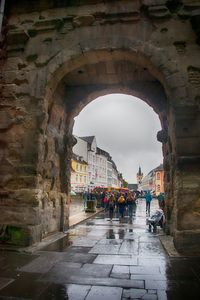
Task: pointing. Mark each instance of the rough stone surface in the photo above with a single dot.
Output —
(50, 51)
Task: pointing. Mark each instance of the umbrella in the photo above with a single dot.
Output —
(72, 193)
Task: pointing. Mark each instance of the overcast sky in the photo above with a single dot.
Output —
(126, 127)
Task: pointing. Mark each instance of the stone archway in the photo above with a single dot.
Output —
(52, 71)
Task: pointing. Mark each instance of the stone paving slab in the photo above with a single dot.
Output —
(134, 293)
(84, 242)
(120, 275)
(77, 292)
(151, 249)
(116, 260)
(97, 233)
(121, 269)
(62, 272)
(154, 277)
(157, 284)
(96, 270)
(79, 257)
(41, 264)
(149, 261)
(144, 270)
(105, 249)
(125, 283)
(103, 293)
(129, 246)
(109, 242)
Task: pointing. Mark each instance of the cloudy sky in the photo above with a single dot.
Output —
(126, 127)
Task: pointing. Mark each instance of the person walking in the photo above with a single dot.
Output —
(122, 204)
(131, 202)
(105, 201)
(85, 198)
(111, 206)
(161, 201)
(148, 199)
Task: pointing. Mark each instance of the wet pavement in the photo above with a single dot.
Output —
(101, 259)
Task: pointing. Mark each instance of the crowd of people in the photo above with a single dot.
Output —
(115, 201)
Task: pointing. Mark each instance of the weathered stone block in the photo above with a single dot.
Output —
(159, 11)
(86, 20)
(17, 37)
(6, 120)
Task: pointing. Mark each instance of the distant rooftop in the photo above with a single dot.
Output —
(88, 139)
(160, 167)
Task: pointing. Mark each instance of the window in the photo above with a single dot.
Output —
(76, 167)
(76, 178)
(158, 176)
(85, 168)
(80, 178)
(158, 187)
(80, 167)
(85, 179)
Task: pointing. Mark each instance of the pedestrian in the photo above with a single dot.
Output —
(102, 196)
(85, 197)
(161, 201)
(131, 203)
(122, 204)
(105, 201)
(111, 206)
(134, 203)
(148, 199)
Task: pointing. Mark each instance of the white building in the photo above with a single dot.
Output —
(102, 171)
(81, 148)
(109, 173)
(101, 168)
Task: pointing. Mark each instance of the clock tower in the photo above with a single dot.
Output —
(139, 176)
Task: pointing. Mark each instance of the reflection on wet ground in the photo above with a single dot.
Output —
(101, 259)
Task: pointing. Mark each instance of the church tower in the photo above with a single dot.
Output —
(139, 176)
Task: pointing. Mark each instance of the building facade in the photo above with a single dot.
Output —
(102, 171)
(159, 180)
(153, 181)
(79, 174)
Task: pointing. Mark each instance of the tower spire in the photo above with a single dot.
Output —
(139, 176)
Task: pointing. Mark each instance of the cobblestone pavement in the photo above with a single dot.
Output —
(101, 259)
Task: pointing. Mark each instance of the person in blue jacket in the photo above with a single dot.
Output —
(148, 199)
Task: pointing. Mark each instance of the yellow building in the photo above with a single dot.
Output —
(159, 180)
(79, 174)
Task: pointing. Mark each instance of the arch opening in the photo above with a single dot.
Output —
(95, 74)
(125, 127)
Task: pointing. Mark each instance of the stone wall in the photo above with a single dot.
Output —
(58, 56)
